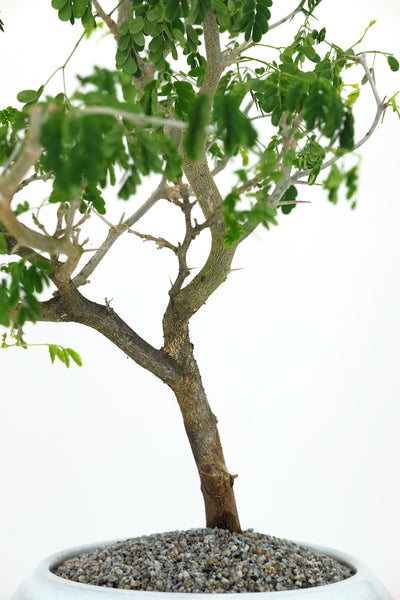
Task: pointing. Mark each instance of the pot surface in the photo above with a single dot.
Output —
(44, 585)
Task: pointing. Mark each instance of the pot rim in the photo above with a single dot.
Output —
(43, 571)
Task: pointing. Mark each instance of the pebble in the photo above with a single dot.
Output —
(204, 561)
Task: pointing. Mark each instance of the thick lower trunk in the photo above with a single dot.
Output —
(202, 431)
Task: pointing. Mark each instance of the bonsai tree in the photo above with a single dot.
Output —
(197, 91)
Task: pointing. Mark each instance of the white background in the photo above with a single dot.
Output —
(299, 352)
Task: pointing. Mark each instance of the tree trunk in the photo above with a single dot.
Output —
(201, 427)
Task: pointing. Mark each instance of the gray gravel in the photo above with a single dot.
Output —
(204, 560)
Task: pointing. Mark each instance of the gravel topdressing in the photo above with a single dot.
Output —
(204, 560)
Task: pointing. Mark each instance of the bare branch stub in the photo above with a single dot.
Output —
(159, 241)
(190, 234)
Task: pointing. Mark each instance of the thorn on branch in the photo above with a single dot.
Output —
(108, 304)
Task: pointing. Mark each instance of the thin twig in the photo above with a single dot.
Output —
(34, 177)
(159, 192)
(289, 202)
(137, 118)
(159, 241)
(183, 248)
(115, 232)
(362, 59)
(288, 17)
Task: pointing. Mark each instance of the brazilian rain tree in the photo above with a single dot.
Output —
(197, 88)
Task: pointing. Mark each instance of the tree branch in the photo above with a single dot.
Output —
(9, 185)
(34, 177)
(288, 17)
(71, 306)
(27, 253)
(159, 241)
(213, 53)
(217, 266)
(115, 232)
(183, 248)
(111, 24)
(137, 118)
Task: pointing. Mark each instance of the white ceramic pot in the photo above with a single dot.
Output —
(43, 585)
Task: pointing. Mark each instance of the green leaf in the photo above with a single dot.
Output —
(57, 4)
(3, 244)
(136, 25)
(88, 20)
(332, 183)
(351, 182)
(289, 196)
(78, 8)
(75, 356)
(64, 355)
(155, 13)
(130, 65)
(139, 40)
(221, 13)
(353, 96)
(130, 184)
(233, 126)
(310, 53)
(65, 13)
(346, 136)
(149, 99)
(254, 21)
(53, 352)
(4, 306)
(172, 10)
(393, 63)
(231, 218)
(193, 140)
(185, 98)
(124, 28)
(94, 198)
(311, 156)
(28, 96)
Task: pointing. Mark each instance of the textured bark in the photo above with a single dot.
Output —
(202, 431)
(71, 306)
